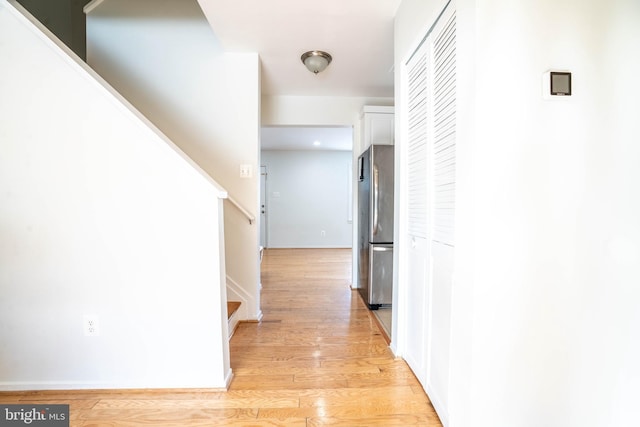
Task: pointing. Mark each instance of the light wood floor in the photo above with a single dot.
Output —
(316, 359)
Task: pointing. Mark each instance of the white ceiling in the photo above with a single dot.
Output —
(357, 33)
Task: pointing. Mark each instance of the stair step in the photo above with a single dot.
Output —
(232, 307)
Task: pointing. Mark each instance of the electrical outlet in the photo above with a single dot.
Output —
(91, 325)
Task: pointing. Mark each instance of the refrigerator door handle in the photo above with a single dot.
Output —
(382, 248)
(375, 199)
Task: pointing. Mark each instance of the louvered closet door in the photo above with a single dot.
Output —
(443, 149)
(417, 211)
(431, 169)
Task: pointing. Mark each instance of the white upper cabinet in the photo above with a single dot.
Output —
(377, 125)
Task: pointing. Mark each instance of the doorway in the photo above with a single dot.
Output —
(306, 190)
(307, 193)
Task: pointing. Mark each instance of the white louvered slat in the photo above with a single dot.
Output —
(417, 146)
(444, 134)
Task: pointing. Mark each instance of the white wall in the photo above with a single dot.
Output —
(555, 282)
(315, 110)
(308, 199)
(545, 319)
(168, 63)
(100, 214)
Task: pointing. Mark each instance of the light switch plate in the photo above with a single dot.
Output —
(246, 171)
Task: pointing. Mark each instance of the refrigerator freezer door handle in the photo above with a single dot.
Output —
(375, 199)
(382, 248)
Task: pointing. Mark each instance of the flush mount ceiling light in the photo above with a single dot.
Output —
(316, 60)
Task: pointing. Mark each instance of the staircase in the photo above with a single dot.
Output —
(232, 316)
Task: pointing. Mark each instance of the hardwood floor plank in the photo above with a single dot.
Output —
(155, 415)
(158, 404)
(358, 380)
(10, 398)
(403, 420)
(388, 408)
(307, 371)
(300, 422)
(363, 396)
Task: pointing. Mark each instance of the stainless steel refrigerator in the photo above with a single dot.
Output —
(375, 225)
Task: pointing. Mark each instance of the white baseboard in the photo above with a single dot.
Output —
(54, 385)
(442, 412)
(233, 322)
(80, 385)
(229, 378)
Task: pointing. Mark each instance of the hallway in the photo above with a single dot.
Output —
(317, 358)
